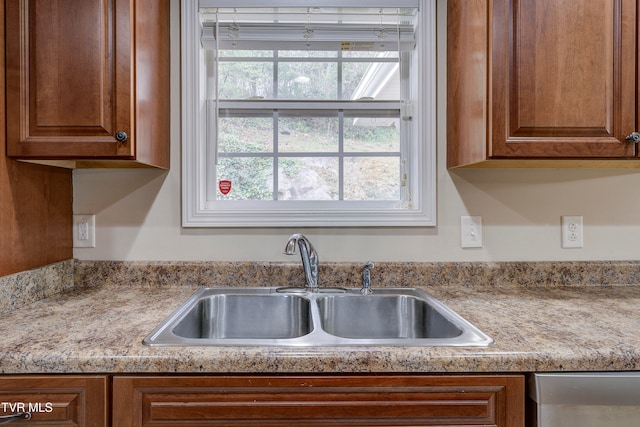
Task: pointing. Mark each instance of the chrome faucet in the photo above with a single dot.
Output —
(366, 278)
(309, 259)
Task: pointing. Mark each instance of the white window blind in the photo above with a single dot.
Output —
(322, 4)
(381, 30)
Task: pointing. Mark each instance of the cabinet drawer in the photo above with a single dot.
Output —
(332, 400)
(72, 401)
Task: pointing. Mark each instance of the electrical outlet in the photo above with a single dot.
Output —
(572, 232)
(471, 231)
(84, 231)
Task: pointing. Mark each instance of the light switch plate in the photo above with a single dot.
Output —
(471, 231)
(84, 231)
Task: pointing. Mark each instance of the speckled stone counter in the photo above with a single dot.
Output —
(99, 328)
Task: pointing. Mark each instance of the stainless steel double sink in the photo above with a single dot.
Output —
(330, 317)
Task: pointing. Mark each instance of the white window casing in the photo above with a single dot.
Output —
(201, 109)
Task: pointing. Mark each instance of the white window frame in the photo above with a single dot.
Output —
(199, 211)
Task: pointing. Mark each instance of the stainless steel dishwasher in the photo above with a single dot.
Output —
(589, 399)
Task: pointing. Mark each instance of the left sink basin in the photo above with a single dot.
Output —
(221, 316)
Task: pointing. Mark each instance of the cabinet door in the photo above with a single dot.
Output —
(56, 400)
(320, 401)
(83, 74)
(68, 77)
(563, 78)
(541, 79)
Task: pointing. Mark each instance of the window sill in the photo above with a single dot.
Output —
(299, 218)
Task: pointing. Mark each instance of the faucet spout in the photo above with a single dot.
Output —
(309, 257)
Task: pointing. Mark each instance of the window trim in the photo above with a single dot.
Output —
(197, 211)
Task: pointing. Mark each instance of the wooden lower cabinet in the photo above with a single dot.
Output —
(66, 400)
(341, 400)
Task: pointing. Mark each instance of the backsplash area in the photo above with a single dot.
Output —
(384, 274)
(20, 289)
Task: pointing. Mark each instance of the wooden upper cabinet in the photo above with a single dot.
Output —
(541, 79)
(82, 74)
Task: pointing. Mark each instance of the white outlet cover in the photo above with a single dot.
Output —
(84, 231)
(572, 232)
(471, 231)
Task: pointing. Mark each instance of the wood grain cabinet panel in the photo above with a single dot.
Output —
(56, 401)
(319, 401)
(35, 204)
(81, 74)
(541, 79)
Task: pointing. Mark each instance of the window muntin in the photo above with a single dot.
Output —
(309, 138)
(276, 103)
(307, 164)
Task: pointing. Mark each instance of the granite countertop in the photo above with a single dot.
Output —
(100, 330)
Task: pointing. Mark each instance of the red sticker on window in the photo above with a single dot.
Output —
(224, 185)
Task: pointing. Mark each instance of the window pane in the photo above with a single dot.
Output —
(351, 77)
(242, 80)
(371, 178)
(367, 134)
(245, 134)
(375, 80)
(314, 178)
(308, 134)
(308, 80)
(251, 178)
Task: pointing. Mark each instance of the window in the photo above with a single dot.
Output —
(308, 116)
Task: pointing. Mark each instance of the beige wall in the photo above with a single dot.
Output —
(138, 212)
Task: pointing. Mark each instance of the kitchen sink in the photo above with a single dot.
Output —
(266, 316)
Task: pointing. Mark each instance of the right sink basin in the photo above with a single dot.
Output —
(384, 317)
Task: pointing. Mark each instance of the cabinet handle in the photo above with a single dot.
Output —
(634, 137)
(121, 136)
(8, 418)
